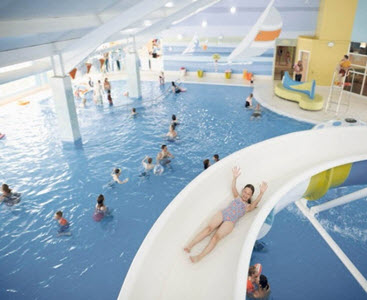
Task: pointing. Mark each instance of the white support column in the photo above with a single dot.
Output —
(302, 205)
(133, 72)
(64, 102)
(339, 201)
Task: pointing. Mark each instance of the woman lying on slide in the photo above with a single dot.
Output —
(223, 221)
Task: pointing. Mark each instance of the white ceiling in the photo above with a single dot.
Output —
(34, 29)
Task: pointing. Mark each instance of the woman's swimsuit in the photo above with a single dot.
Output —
(98, 214)
(235, 210)
(11, 199)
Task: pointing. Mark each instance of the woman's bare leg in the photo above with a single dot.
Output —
(224, 229)
(213, 224)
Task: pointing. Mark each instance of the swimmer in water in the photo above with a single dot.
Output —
(252, 279)
(116, 174)
(264, 288)
(206, 163)
(176, 89)
(257, 112)
(162, 157)
(161, 78)
(172, 133)
(216, 158)
(100, 210)
(147, 163)
(8, 197)
(63, 223)
(249, 101)
(133, 112)
(174, 120)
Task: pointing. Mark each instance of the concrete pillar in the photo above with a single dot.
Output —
(133, 73)
(64, 103)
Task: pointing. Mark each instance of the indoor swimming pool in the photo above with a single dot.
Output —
(92, 263)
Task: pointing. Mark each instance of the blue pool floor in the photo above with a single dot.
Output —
(93, 262)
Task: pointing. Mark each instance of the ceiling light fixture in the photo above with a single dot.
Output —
(233, 10)
(179, 36)
(169, 4)
(204, 24)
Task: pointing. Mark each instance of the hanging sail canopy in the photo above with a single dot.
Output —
(261, 36)
(193, 45)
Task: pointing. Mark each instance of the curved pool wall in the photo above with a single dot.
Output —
(37, 264)
(173, 60)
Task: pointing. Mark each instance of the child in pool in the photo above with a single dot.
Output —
(116, 174)
(249, 101)
(164, 155)
(172, 133)
(133, 112)
(64, 224)
(100, 210)
(8, 197)
(147, 163)
(206, 163)
(174, 120)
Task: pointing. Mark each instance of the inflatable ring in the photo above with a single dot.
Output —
(158, 170)
(23, 102)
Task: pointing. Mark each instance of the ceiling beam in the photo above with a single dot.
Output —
(36, 68)
(19, 28)
(88, 43)
(16, 56)
(185, 12)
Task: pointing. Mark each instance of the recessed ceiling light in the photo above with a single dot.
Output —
(169, 4)
(147, 23)
(220, 37)
(233, 10)
(204, 23)
(179, 36)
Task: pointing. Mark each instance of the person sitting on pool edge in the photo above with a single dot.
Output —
(63, 223)
(206, 163)
(216, 158)
(176, 89)
(162, 157)
(8, 197)
(116, 172)
(172, 133)
(223, 221)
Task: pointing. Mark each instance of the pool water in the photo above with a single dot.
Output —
(93, 262)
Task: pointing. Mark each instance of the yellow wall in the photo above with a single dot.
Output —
(334, 24)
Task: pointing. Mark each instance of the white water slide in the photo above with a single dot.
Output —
(162, 270)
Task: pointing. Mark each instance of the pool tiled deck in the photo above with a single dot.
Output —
(353, 106)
